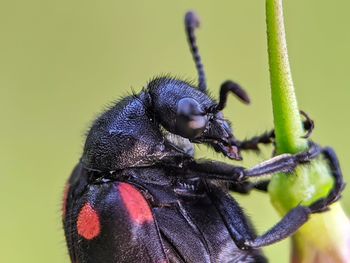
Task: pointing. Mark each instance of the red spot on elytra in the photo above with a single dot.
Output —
(88, 223)
(136, 205)
(64, 203)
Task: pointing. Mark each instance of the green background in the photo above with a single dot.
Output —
(62, 62)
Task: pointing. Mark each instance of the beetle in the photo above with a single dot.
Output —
(139, 195)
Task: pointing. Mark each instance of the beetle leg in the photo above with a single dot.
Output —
(339, 184)
(282, 163)
(253, 143)
(247, 187)
(308, 124)
(269, 137)
(300, 214)
(237, 225)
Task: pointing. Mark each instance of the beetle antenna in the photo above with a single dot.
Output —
(191, 23)
(226, 87)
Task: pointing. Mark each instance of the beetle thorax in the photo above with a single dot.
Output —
(128, 135)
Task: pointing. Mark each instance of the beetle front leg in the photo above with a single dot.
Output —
(285, 163)
(266, 138)
(252, 144)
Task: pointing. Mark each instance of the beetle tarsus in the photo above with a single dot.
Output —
(322, 204)
(308, 124)
(253, 143)
(269, 136)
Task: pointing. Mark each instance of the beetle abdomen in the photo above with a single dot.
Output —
(195, 232)
(110, 222)
(115, 221)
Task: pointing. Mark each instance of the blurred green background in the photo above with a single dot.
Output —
(62, 62)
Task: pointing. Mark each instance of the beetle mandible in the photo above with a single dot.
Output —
(139, 195)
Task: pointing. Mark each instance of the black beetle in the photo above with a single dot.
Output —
(139, 195)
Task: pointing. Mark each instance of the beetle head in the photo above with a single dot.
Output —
(199, 119)
(184, 110)
(205, 125)
(188, 111)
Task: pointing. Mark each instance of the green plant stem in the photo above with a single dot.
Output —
(310, 182)
(288, 126)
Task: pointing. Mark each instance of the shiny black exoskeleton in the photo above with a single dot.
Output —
(139, 195)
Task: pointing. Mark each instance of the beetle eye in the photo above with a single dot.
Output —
(191, 120)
